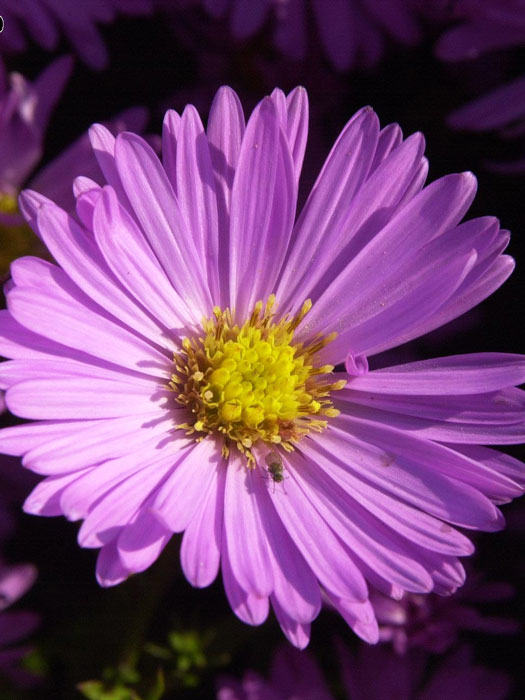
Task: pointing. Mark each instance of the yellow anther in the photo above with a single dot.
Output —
(220, 376)
(249, 383)
(230, 412)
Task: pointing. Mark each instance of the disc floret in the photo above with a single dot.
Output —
(252, 383)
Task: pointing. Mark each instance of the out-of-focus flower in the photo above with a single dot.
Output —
(407, 677)
(351, 32)
(46, 20)
(485, 26)
(25, 110)
(15, 625)
(434, 622)
(179, 362)
(374, 673)
(15, 580)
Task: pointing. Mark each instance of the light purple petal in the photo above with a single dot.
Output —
(297, 633)
(196, 193)
(325, 211)
(320, 547)
(141, 542)
(422, 473)
(225, 133)
(131, 260)
(415, 525)
(180, 496)
(250, 608)
(158, 213)
(456, 374)
(248, 553)
(262, 209)
(83, 444)
(56, 310)
(200, 551)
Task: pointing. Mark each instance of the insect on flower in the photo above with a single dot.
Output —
(275, 467)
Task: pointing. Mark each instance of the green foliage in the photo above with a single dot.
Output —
(118, 685)
(188, 656)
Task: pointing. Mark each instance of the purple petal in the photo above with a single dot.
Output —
(250, 608)
(158, 213)
(200, 551)
(262, 209)
(456, 374)
(247, 547)
(180, 496)
(133, 263)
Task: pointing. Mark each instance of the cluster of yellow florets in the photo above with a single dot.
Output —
(251, 382)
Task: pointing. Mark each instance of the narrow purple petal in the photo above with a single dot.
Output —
(456, 374)
(200, 551)
(247, 547)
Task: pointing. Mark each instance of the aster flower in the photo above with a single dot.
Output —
(46, 20)
(351, 32)
(434, 622)
(179, 364)
(25, 110)
(15, 625)
(374, 673)
(485, 26)
(15, 581)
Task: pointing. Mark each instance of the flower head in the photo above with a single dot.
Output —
(179, 362)
(373, 673)
(350, 32)
(483, 27)
(25, 110)
(434, 622)
(45, 20)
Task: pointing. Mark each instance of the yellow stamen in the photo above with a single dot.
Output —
(252, 383)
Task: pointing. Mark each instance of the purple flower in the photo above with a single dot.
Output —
(434, 622)
(45, 20)
(408, 678)
(485, 26)
(374, 673)
(15, 626)
(351, 32)
(179, 364)
(15, 581)
(25, 110)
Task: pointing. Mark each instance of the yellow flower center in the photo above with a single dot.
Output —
(17, 239)
(252, 383)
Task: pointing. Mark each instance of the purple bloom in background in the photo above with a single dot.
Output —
(15, 625)
(179, 364)
(434, 622)
(485, 26)
(352, 32)
(25, 110)
(374, 673)
(15, 581)
(46, 20)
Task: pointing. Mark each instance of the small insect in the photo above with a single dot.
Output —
(275, 467)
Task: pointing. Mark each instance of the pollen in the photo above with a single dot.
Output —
(251, 383)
